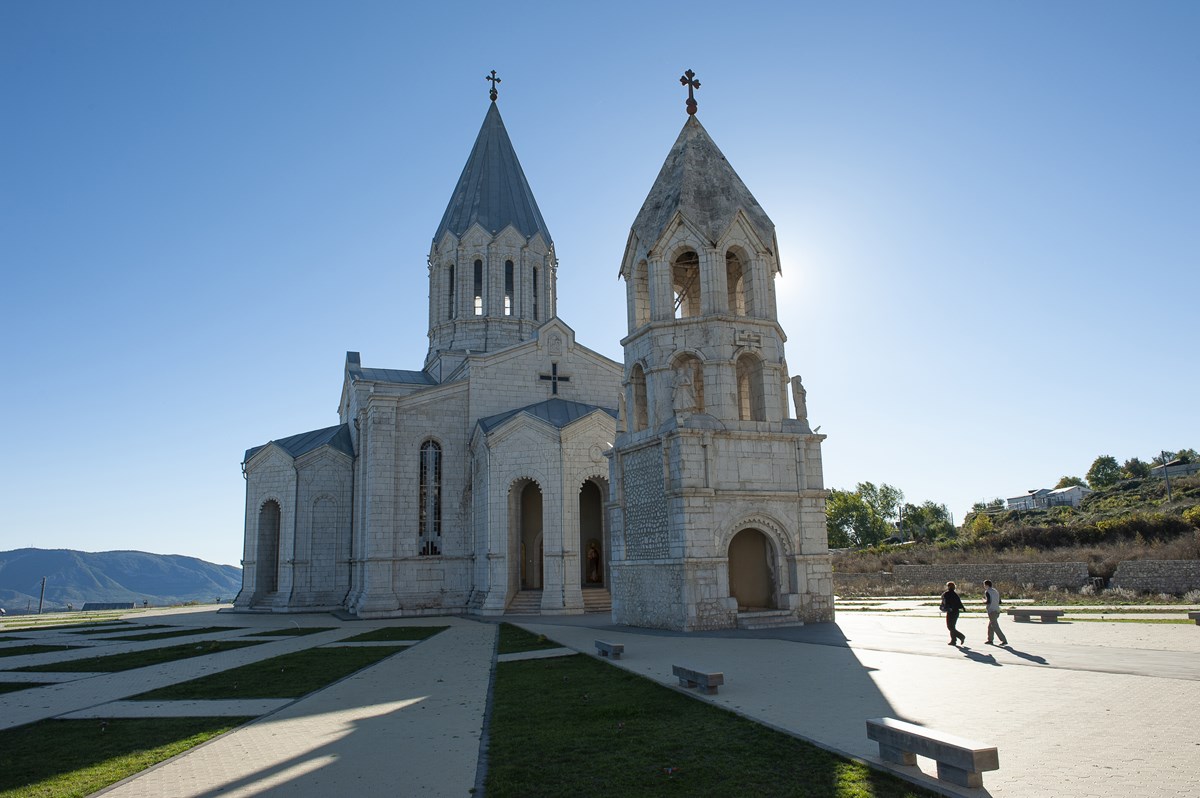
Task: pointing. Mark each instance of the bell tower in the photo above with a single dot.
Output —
(492, 268)
(719, 504)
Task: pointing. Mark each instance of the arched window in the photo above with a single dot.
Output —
(450, 294)
(637, 417)
(429, 525)
(737, 282)
(508, 288)
(641, 294)
(751, 404)
(685, 285)
(478, 288)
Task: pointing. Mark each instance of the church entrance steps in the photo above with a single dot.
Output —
(767, 619)
(597, 599)
(526, 602)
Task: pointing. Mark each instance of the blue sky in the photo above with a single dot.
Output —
(988, 217)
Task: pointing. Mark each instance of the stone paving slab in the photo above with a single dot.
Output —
(372, 644)
(545, 653)
(182, 709)
(408, 725)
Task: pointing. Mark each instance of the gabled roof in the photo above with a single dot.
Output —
(558, 412)
(492, 189)
(697, 181)
(393, 375)
(338, 437)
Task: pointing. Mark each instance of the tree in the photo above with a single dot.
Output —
(1070, 482)
(981, 506)
(1105, 471)
(928, 521)
(1187, 455)
(1135, 469)
(861, 517)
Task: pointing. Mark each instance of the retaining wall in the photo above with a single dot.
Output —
(1158, 576)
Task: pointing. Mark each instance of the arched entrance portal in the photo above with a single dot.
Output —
(751, 570)
(593, 559)
(529, 522)
(267, 556)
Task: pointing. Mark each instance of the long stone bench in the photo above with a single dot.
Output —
(1023, 614)
(1195, 616)
(606, 649)
(690, 677)
(959, 760)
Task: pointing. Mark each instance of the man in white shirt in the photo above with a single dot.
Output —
(992, 596)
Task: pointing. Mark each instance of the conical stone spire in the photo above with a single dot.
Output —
(697, 181)
(492, 189)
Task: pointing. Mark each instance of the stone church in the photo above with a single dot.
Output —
(518, 470)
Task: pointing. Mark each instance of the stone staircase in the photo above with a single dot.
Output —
(766, 619)
(597, 599)
(529, 602)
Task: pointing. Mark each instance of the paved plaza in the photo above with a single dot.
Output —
(1075, 708)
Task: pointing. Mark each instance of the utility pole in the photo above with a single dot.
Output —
(1167, 476)
(42, 598)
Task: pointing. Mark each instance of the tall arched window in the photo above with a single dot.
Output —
(640, 285)
(429, 525)
(536, 316)
(478, 288)
(685, 285)
(268, 547)
(751, 402)
(450, 294)
(508, 288)
(637, 416)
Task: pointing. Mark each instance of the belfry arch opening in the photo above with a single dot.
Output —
(751, 400)
(525, 522)
(267, 557)
(638, 418)
(752, 570)
(738, 285)
(685, 284)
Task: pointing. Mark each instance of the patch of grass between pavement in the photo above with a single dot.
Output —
(36, 648)
(514, 639)
(140, 659)
(12, 687)
(176, 632)
(287, 676)
(1129, 620)
(72, 758)
(602, 731)
(392, 633)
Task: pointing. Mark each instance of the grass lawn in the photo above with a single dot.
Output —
(393, 633)
(577, 727)
(1127, 620)
(139, 659)
(23, 625)
(35, 648)
(293, 631)
(113, 626)
(12, 687)
(286, 676)
(69, 758)
(176, 632)
(514, 639)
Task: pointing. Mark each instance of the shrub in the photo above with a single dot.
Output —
(1192, 515)
(1192, 597)
(1120, 593)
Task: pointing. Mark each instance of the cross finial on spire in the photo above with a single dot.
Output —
(689, 80)
(493, 93)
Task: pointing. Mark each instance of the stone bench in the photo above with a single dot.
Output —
(959, 760)
(606, 649)
(689, 677)
(1195, 616)
(1023, 615)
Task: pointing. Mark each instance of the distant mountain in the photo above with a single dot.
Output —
(77, 577)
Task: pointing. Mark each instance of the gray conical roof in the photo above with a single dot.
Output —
(697, 181)
(492, 189)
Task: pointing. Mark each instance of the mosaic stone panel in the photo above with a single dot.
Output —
(645, 505)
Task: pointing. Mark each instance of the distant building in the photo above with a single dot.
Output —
(1175, 468)
(1042, 498)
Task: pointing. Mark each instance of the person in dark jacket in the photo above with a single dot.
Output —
(952, 605)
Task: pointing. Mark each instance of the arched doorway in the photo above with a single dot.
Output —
(267, 557)
(529, 522)
(751, 570)
(592, 560)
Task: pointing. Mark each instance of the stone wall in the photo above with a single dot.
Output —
(1056, 574)
(1158, 576)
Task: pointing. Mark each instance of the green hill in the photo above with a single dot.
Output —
(77, 577)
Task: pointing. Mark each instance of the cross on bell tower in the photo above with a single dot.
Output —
(493, 93)
(689, 79)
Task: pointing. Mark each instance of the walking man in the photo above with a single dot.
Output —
(992, 596)
(952, 605)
